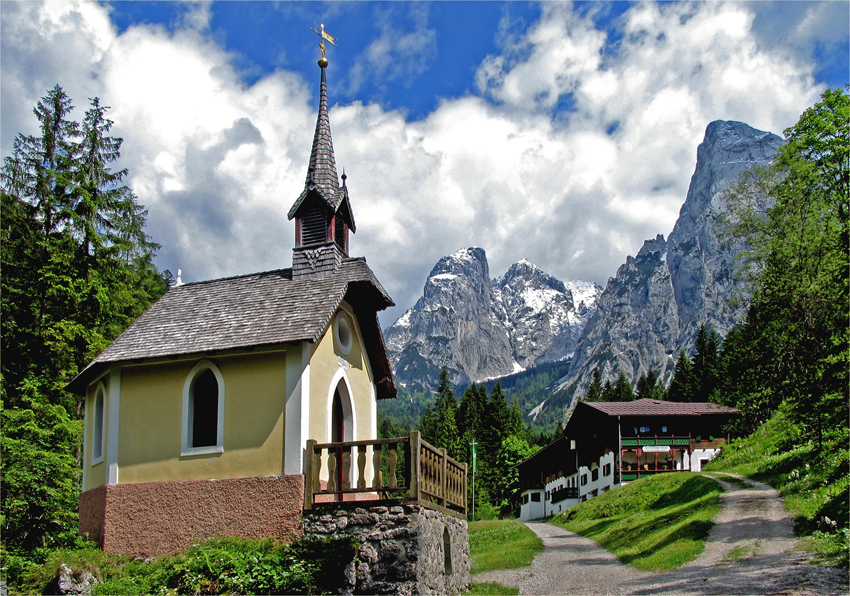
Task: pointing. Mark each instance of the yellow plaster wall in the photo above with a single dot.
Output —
(324, 365)
(151, 421)
(96, 474)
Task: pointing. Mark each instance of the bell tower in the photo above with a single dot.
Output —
(322, 213)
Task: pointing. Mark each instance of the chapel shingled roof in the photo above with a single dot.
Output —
(247, 311)
(655, 407)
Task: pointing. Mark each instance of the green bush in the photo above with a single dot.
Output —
(217, 566)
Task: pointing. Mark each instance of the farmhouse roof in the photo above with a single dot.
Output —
(655, 407)
(248, 311)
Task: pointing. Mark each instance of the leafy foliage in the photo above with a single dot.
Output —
(796, 219)
(217, 566)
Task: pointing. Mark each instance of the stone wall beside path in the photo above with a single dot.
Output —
(405, 549)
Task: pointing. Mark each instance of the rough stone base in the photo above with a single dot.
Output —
(162, 518)
(402, 548)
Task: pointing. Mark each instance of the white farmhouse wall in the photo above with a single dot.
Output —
(529, 508)
(700, 456)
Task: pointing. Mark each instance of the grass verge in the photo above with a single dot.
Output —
(503, 544)
(653, 524)
(491, 589)
(814, 484)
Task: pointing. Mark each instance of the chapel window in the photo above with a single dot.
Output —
(203, 410)
(98, 426)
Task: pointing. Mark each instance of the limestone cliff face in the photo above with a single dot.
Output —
(480, 328)
(655, 304)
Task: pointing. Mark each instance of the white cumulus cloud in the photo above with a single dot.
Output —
(218, 162)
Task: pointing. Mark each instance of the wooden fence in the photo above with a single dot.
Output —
(431, 477)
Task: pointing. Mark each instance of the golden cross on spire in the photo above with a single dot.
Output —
(325, 36)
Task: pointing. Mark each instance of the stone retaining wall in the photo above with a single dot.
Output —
(405, 548)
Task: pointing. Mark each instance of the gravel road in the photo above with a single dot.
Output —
(752, 522)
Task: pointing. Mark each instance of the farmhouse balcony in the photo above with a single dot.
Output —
(666, 452)
(429, 476)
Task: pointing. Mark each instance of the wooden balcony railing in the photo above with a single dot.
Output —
(431, 477)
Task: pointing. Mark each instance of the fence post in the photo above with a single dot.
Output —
(414, 464)
(443, 469)
(308, 475)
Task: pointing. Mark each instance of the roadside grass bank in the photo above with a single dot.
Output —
(500, 544)
(491, 589)
(216, 566)
(814, 484)
(653, 524)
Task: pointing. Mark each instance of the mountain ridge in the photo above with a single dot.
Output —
(481, 328)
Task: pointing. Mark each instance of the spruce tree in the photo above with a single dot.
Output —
(438, 425)
(649, 386)
(683, 386)
(594, 390)
(623, 389)
(608, 391)
(705, 364)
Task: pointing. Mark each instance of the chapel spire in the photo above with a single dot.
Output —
(322, 169)
(322, 211)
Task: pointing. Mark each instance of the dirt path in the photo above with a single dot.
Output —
(750, 551)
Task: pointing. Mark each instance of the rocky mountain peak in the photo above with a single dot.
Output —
(523, 273)
(656, 302)
(481, 328)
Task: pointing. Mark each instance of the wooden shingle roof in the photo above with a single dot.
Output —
(260, 309)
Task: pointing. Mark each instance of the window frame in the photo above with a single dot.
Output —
(186, 426)
(100, 392)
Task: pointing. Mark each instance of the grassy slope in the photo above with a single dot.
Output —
(654, 524)
(500, 545)
(815, 486)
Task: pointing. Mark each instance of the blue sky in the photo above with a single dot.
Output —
(564, 133)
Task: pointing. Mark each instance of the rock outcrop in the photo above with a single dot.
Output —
(656, 302)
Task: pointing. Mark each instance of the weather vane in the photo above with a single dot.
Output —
(325, 36)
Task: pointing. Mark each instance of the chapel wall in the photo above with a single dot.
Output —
(163, 518)
(150, 422)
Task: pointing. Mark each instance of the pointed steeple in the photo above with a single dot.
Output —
(322, 169)
(322, 213)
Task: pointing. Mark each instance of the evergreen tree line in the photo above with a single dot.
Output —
(77, 269)
(694, 379)
(501, 437)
